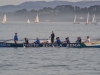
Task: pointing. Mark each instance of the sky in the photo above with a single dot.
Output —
(16, 2)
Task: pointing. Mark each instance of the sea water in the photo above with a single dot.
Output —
(49, 61)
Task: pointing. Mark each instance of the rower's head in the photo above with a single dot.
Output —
(56, 38)
(25, 38)
(52, 32)
(37, 38)
(87, 37)
(67, 38)
(15, 33)
(47, 38)
(79, 37)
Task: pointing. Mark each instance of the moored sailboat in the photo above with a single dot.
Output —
(74, 20)
(28, 21)
(4, 19)
(87, 22)
(94, 20)
(36, 20)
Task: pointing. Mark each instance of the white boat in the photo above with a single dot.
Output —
(75, 20)
(28, 21)
(87, 22)
(36, 20)
(4, 19)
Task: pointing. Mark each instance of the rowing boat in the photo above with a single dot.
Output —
(69, 45)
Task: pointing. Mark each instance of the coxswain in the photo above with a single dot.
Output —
(88, 39)
(16, 38)
(37, 41)
(52, 37)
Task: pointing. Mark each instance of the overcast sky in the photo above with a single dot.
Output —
(16, 2)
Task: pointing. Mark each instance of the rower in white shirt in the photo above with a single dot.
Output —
(48, 41)
(88, 39)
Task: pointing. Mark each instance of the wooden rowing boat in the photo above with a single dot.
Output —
(69, 45)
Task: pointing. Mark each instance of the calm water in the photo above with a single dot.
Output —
(49, 61)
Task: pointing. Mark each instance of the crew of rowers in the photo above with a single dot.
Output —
(58, 41)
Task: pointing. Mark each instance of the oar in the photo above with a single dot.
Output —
(7, 40)
(39, 39)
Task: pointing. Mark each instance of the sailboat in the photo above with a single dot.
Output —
(4, 19)
(74, 20)
(36, 20)
(94, 20)
(87, 22)
(28, 21)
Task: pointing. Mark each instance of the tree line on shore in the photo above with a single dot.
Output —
(59, 13)
(64, 9)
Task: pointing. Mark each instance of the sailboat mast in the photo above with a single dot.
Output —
(75, 19)
(88, 18)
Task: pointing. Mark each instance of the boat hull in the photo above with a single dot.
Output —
(69, 45)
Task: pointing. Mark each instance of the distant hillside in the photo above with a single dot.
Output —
(41, 4)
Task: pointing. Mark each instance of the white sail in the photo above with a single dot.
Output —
(28, 21)
(93, 19)
(74, 20)
(95, 22)
(37, 19)
(87, 22)
(4, 19)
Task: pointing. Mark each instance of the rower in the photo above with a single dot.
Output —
(26, 40)
(88, 39)
(58, 41)
(16, 38)
(67, 40)
(37, 41)
(48, 41)
(78, 40)
(45, 42)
